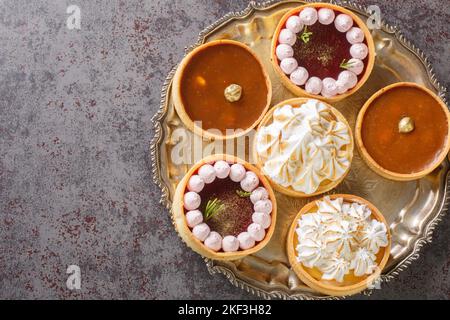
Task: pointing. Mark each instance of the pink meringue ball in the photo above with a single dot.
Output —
(192, 200)
(250, 181)
(288, 65)
(230, 244)
(222, 169)
(326, 16)
(313, 85)
(193, 218)
(348, 79)
(343, 22)
(213, 241)
(263, 206)
(355, 35)
(258, 194)
(256, 231)
(299, 76)
(237, 172)
(356, 66)
(359, 51)
(207, 173)
(201, 231)
(329, 87)
(329, 95)
(245, 241)
(287, 37)
(308, 16)
(262, 218)
(284, 51)
(341, 87)
(196, 183)
(294, 23)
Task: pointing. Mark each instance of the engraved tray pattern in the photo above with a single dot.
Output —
(412, 209)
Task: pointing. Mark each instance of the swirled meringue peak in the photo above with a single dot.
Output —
(373, 236)
(339, 238)
(363, 262)
(335, 268)
(311, 252)
(304, 146)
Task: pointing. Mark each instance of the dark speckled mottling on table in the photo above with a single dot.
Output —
(75, 128)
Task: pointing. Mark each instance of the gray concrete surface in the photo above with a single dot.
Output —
(75, 127)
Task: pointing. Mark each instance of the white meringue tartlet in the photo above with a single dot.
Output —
(339, 244)
(304, 146)
(314, 43)
(340, 237)
(224, 209)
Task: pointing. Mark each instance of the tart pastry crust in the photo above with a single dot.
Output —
(378, 168)
(179, 216)
(325, 186)
(313, 277)
(297, 90)
(181, 108)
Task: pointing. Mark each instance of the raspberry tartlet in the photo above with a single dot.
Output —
(224, 209)
(323, 51)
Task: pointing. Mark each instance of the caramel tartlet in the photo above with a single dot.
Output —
(339, 245)
(403, 131)
(304, 147)
(322, 51)
(223, 85)
(224, 209)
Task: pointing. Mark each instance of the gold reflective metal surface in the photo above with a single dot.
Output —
(412, 209)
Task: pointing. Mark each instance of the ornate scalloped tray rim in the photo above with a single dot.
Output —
(158, 136)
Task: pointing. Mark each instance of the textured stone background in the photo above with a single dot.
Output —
(75, 185)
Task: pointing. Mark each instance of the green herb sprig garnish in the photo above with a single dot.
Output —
(213, 207)
(306, 36)
(346, 64)
(243, 194)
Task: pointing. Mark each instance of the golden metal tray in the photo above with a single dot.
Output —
(411, 208)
